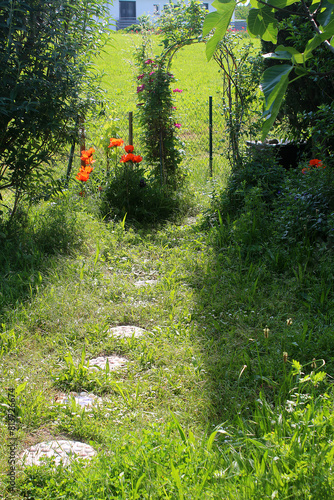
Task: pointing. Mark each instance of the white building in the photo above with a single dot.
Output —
(126, 12)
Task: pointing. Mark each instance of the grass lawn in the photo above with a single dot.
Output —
(197, 409)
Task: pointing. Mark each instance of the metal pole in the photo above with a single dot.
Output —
(161, 170)
(131, 128)
(70, 162)
(82, 138)
(210, 135)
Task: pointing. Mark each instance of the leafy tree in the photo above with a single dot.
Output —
(181, 24)
(318, 14)
(47, 81)
(242, 11)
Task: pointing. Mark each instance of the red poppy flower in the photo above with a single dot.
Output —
(114, 143)
(129, 149)
(82, 176)
(137, 159)
(315, 162)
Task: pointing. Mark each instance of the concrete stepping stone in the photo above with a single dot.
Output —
(126, 331)
(115, 362)
(62, 451)
(145, 283)
(83, 399)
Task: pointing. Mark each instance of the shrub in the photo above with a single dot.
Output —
(259, 169)
(305, 206)
(46, 81)
(140, 198)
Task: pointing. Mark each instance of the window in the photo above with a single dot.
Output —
(127, 9)
(206, 6)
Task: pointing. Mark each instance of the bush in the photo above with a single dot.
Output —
(129, 193)
(305, 206)
(47, 81)
(259, 169)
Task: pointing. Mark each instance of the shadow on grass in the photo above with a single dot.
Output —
(27, 248)
(238, 296)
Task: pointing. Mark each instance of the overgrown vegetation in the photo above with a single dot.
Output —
(228, 393)
(47, 84)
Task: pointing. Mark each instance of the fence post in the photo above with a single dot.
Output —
(82, 138)
(210, 135)
(70, 163)
(131, 128)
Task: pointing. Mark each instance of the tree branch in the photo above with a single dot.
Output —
(315, 26)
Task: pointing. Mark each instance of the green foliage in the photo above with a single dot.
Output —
(161, 146)
(241, 67)
(302, 101)
(288, 449)
(47, 80)
(263, 22)
(305, 206)
(180, 24)
(131, 193)
(259, 169)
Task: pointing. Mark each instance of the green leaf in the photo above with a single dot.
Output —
(181, 431)
(219, 4)
(278, 54)
(177, 480)
(281, 4)
(318, 39)
(220, 22)
(325, 14)
(274, 84)
(210, 441)
(255, 4)
(20, 388)
(274, 108)
(262, 22)
(286, 53)
(300, 71)
(272, 79)
(329, 31)
(211, 21)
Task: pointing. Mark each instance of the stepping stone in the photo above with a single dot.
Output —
(146, 282)
(83, 399)
(126, 331)
(62, 451)
(115, 362)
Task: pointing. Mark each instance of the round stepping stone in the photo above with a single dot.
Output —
(83, 399)
(126, 331)
(146, 282)
(62, 451)
(115, 362)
